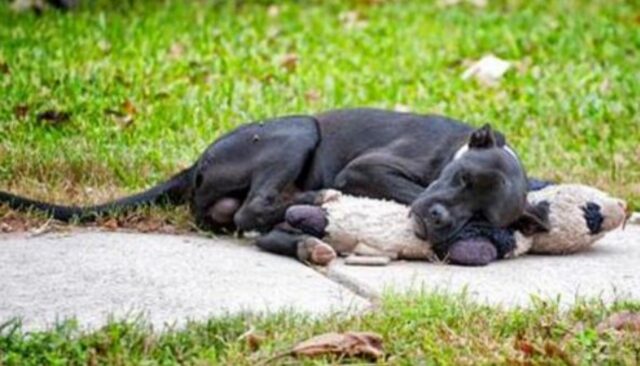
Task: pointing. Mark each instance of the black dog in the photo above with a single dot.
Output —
(448, 171)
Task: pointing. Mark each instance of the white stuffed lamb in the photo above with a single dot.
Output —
(372, 231)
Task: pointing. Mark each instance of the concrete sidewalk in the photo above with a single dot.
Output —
(91, 275)
(171, 278)
(610, 270)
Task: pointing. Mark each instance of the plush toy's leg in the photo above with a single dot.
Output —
(309, 219)
(298, 245)
(472, 252)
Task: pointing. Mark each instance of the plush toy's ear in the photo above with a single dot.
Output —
(535, 219)
(482, 138)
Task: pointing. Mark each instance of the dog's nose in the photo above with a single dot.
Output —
(439, 215)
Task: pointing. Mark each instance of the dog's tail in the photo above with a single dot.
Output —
(174, 191)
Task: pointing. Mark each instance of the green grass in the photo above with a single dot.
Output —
(417, 330)
(194, 70)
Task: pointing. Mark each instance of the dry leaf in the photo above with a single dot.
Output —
(177, 50)
(21, 111)
(252, 339)
(169, 229)
(289, 61)
(351, 344)
(605, 86)
(110, 224)
(312, 96)
(93, 357)
(488, 70)
(104, 46)
(25, 5)
(524, 66)
(147, 226)
(11, 222)
(525, 347)
(125, 120)
(53, 117)
(129, 108)
(273, 11)
(4, 68)
(125, 115)
(5, 228)
(162, 94)
(553, 350)
(273, 33)
(476, 3)
(371, 2)
(622, 321)
(267, 78)
(352, 20)
(401, 108)
(42, 229)
(19, 6)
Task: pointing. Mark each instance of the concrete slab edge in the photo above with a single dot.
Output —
(357, 287)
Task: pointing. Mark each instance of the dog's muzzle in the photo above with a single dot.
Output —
(419, 226)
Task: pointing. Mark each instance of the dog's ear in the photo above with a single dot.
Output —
(482, 138)
(535, 219)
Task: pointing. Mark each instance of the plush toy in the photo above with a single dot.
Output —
(371, 231)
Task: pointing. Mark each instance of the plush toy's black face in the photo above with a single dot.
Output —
(593, 217)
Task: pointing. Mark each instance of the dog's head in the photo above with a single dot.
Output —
(483, 181)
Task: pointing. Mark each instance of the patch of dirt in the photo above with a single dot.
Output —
(173, 220)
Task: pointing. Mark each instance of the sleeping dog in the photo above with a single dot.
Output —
(449, 172)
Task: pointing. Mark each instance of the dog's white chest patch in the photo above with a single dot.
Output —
(461, 152)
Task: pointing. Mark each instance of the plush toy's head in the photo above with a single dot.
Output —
(578, 216)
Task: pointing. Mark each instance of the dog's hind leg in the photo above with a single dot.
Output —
(273, 179)
(257, 165)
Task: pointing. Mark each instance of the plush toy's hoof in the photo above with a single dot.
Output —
(472, 252)
(309, 219)
(316, 251)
